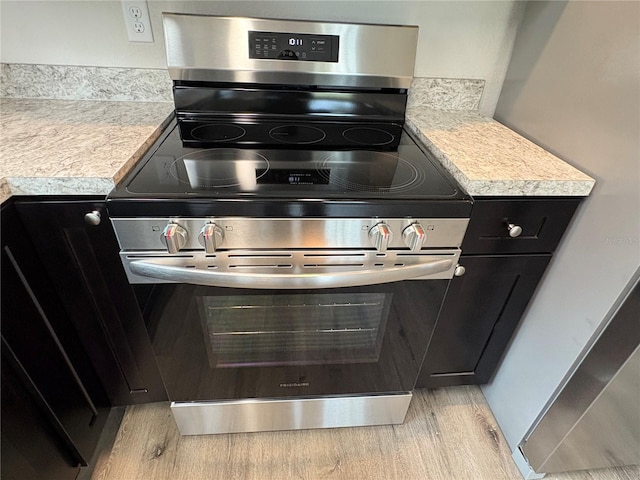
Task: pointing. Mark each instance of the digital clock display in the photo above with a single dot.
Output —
(303, 47)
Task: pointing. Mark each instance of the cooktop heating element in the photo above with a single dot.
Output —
(176, 170)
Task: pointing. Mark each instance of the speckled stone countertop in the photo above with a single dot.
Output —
(489, 159)
(70, 147)
(60, 147)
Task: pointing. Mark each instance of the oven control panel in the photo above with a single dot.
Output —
(293, 46)
(176, 234)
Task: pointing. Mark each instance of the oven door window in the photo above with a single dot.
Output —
(221, 343)
(307, 329)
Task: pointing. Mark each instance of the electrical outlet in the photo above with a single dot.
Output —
(136, 19)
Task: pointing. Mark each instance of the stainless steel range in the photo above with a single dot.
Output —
(289, 243)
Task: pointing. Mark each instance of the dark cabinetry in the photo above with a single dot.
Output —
(483, 307)
(82, 261)
(53, 407)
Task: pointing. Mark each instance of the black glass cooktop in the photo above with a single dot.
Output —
(177, 169)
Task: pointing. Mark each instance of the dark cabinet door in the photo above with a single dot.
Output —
(53, 407)
(479, 315)
(31, 448)
(84, 264)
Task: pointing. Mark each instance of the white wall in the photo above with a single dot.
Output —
(458, 39)
(573, 87)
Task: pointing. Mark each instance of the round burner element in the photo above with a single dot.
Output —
(297, 134)
(220, 167)
(368, 171)
(218, 132)
(368, 136)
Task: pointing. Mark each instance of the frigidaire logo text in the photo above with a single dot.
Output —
(295, 384)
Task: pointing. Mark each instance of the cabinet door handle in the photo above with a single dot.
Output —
(459, 270)
(93, 218)
(514, 230)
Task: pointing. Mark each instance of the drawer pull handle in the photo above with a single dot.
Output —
(514, 230)
(93, 218)
(459, 270)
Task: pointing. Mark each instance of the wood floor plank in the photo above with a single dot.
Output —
(449, 434)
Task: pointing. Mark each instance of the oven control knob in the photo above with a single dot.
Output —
(210, 237)
(414, 237)
(174, 237)
(380, 236)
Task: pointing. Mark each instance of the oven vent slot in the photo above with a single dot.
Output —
(330, 265)
(401, 254)
(332, 255)
(262, 266)
(259, 255)
(147, 256)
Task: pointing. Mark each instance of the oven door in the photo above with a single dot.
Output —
(216, 343)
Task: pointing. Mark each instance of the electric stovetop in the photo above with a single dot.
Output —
(181, 166)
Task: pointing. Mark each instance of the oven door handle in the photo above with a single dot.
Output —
(177, 274)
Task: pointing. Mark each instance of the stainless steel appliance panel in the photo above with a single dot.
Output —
(594, 421)
(289, 414)
(216, 49)
(280, 233)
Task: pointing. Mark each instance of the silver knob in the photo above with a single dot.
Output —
(459, 270)
(92, 218)
(174, 237)
(414, 236)
(380, 236)
(210, 237)
(514, 230)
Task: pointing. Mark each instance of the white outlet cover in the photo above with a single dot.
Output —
(137, 21)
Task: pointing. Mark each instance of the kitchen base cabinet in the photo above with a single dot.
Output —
(80, 254)
(53, 406)
(478, 317)
(507, 246)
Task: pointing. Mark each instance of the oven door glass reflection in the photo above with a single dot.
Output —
(216, 343)
(308, 329)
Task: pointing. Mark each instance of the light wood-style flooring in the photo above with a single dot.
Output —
(449, 434)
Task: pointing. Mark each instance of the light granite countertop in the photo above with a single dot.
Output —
(71, 147)
(489, 159)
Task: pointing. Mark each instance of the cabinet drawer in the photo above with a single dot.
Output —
(542, 221)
